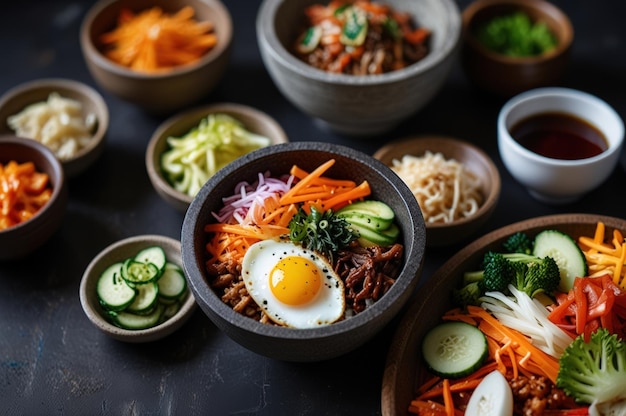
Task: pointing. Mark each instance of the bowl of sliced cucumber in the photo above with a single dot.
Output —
(135, 290)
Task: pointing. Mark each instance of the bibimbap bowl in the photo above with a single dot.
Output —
(323, 342)
(359, 105)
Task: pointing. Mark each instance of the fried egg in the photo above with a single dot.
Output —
(295, 286)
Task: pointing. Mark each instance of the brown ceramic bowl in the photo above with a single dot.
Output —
(17, 98)
(20, 240)
(254, 121)
(404, 370)
(474, 159)
(506, 76)
(323, 342)
(119, 251)
(160, 93)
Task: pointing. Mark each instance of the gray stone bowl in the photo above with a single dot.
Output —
(304, 345)
(359, 105)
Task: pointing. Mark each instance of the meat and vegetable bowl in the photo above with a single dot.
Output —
(535, 314)
(307, 243)
(360, 38)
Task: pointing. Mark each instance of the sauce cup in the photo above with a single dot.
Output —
(550, 179)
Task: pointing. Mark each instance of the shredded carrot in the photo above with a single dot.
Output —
(152, 40)
(271, 218)
(447, 398)
(23, 192)
(604, 254)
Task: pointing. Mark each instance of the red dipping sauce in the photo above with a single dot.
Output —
(559, 136)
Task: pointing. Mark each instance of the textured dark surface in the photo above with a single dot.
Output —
(53, 361)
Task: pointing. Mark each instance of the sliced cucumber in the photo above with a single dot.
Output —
(136, 272)
(172, 283)
(147, 295)
(367, 221)
(154, 255)
(371, 208)
(130, 290)
(113, 291)
(128, 320)
(368, 237)
(567, 254)
(454, 349)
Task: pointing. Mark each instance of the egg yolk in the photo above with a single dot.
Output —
(295, 280)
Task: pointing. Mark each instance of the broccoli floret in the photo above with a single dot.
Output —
(495, 273)
(541, 277)
(518, 243)
(468, 294)
(528, 273)
(594, 371)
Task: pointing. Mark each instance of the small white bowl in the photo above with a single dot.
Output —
(558, 181)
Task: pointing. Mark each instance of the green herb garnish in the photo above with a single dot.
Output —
(325, 232)
(516, 35)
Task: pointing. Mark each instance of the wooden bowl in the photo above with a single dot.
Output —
(404, 369)
(474, 159)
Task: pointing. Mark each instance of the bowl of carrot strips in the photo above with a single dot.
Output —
(528, 332)
(337, 231)
(33, 196)
(160, 55)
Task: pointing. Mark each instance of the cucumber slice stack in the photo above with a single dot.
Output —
(373, 221)
(142, 291)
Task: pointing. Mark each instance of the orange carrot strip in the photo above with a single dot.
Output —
(304, 182)
(354, 194)
(447, 398)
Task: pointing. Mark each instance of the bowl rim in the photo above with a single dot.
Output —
(91, 50)
(403, 332)
(202, 290)
(135, 335)
(541, 6)
(154, 171)
(565, 93)
(58, 188)
(266, 34)
(85, 91)
(491, 198)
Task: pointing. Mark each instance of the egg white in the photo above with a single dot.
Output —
(327, 307)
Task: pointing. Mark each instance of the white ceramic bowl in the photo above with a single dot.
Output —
(557, 181)
(358, 105)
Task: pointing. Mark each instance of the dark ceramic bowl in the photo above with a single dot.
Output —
(159, 93)
(17, 98)
(304, 344)
(253, 120)
(405, 370)
(119, 251)
(20, 240)
(506, 76)
(474, 159)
